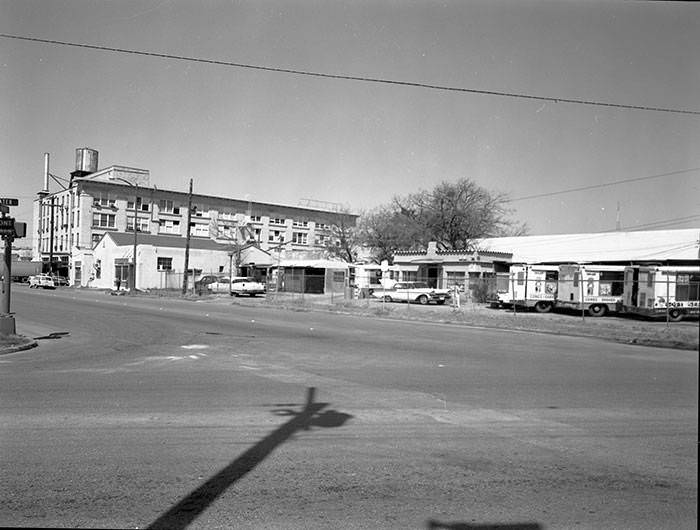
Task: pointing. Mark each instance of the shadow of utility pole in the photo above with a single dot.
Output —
(190, 507)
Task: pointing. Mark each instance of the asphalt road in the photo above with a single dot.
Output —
(167, 413)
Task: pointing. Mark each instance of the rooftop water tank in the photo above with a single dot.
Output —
(85, 160)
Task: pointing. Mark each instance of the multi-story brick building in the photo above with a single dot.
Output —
(67, 224)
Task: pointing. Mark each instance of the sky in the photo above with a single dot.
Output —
(286, 138)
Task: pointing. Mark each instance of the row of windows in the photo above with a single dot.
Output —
(169, 207)
(171, 226)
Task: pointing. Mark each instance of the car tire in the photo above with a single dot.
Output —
(597, 310)
(675, 315)
(423, 300)
(543, 307)
(386, 298)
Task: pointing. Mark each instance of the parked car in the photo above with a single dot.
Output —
(59, 281)
(44, 281)
(237, 286)
(220, 285)
(412, 292)
(203, 282)
(246, 286)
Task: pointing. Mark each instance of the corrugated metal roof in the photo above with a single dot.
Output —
(653, 245)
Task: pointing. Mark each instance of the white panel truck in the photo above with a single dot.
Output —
(658, 291)
(531, 286)
(596, 289)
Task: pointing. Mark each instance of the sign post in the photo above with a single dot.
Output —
(8, 234)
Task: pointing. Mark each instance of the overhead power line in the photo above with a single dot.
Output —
(664, 223)
(605, 185)
(353, 78)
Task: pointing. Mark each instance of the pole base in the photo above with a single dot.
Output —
(7, 325)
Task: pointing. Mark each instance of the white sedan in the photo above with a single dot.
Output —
(413, 292)
(44, 281)
(237, 286)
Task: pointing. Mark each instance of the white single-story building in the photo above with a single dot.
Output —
(160, 261)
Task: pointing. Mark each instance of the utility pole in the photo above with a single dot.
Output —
(187, 243)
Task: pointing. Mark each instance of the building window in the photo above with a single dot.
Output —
(165, 264)
(338, 276)
(96, 239)
(170, 227)
(103, 199)
(141, 225)
(277, 221)
(166, 206)
(141, 205)
(300, 224)
(455, 278)
(321, 239)
(103, 220)
(200, 230)
(322, 226)
(275, 235)
(255, 219)
(410, 276)
(300, 238)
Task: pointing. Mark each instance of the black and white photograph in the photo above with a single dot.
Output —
(349, 264)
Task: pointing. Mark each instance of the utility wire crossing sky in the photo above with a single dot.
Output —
(353, 78)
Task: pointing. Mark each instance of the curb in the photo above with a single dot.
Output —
(27, 345)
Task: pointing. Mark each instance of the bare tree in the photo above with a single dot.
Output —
(455, 215)
(343, 241)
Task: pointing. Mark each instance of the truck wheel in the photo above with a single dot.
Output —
(675, 315)
(543, 307)
(422, 299)
(597, 310)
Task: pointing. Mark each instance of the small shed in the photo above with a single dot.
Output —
(310, 276)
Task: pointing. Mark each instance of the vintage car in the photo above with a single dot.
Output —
(44, 281)
(237, 286)
(410, 292)
(246, 286)
(59, 281)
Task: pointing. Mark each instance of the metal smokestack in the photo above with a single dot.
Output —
(46, 173)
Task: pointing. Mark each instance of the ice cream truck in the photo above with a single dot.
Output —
(596, 289)
(655, 291)
(531, 286)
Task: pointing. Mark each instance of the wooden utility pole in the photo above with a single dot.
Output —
(187, 243)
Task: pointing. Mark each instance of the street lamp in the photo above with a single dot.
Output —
(136, 214)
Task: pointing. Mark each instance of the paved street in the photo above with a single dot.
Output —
(168, 413)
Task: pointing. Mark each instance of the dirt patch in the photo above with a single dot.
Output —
(677, 335)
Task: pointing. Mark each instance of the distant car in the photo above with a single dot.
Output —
(221, 285)
(43, 281)
(202, 284)
(246, 286)
(59, 281)
(413, 292)
(237, 286)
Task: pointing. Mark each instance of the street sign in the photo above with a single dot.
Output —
(9, 202)
(20, 229)
(7, 226)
